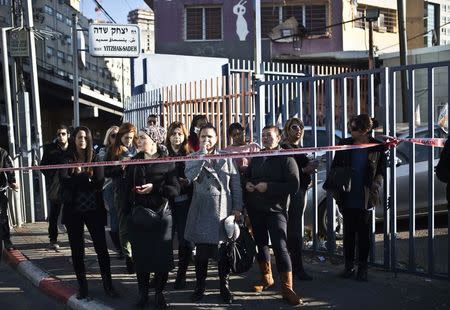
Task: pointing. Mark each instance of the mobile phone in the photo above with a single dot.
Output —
(136, 188)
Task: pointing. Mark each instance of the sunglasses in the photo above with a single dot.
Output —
(113, 135)
(296, 127)
(61, 133)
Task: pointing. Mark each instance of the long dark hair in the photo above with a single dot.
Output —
(364, 122)
(194, 122)
(89, 152)
(184, 146)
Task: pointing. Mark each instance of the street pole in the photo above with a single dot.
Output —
(259, 91)
(371, 60)
(76, 99)
(10, 119)
(403, 51)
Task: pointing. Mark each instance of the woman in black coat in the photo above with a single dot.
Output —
(177, 145)
(367, 167)
(83, 205)
(150, 186)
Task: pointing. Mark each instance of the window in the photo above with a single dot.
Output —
(60, 55)
(204, 23)
(387, 22)
(68, 22)
(49, 51)
(60, 72)
(59, 17)
(48, 10)
(313, 17)
(69, 58)
(5, 2)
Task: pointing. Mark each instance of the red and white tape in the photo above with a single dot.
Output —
(390, 142)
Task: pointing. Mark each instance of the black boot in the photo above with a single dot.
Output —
(201, 270)
(224, 273)
(129, 264)
(107, 285)
(143, 279)
(297, 266)
(184, 256)
(82, 286)
(349, 271)
(160, 283)
(361, 275)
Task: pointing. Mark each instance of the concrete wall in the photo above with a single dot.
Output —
(166, 70)
(420, 56)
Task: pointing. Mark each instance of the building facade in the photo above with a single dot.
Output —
(145, 19)
(289, 28)
(104, 82)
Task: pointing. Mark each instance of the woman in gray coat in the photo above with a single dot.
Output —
(217, 194)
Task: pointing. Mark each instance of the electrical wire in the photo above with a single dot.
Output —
(104, 11)
(415, 37)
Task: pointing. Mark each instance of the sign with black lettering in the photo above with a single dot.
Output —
(112, 40)
(19, 43)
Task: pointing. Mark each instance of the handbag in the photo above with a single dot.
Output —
(239, 253)
(146, 219)
(338, 180)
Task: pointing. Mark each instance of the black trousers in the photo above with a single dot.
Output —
(75, 231)
(356, 223)
(55, 210)
(4, 223)
(275, 225)
(179, 215)
(294, 229)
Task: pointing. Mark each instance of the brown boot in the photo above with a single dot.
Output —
(266, 277)
(286, 289)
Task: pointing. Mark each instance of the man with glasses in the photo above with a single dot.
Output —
(152, 120)
(54, 153)
(7, 180)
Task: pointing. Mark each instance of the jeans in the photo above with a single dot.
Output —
(108, 197)
(275, 224)
(75, 232)
(356, 222)
(55, 210)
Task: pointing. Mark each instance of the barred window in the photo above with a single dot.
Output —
(59, 16)
(387, 21)
(313, 17)
(203, 23)
(5, 2)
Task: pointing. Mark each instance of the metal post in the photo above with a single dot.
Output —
(76, 99)
(371, 60)
(431, 150)
(331, 206)
(36, 104)
(257, 50)
(259, 89)
(403, 59)
(9, 116)
(412, 173)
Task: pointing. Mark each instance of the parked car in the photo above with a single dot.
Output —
(421, 166)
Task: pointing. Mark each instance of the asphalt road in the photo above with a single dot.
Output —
(16, 292)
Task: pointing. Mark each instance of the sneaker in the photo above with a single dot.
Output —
(8, 245)
(53, 246)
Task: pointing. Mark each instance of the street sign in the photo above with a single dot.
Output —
(19, 43)
(112, 40)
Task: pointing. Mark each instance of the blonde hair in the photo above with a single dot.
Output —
(106, 141)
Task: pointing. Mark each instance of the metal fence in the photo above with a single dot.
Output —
(325, 103)
(411, 189)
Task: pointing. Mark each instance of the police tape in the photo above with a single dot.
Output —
(389, 142)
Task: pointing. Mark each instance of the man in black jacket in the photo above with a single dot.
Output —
(54, 153)
(7, 179)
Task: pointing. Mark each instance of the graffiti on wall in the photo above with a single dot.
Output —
(241, 24)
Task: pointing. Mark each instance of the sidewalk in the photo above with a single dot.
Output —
(326, 291)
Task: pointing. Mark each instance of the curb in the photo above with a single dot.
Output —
(48, 284)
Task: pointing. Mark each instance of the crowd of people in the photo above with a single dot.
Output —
(150, 203)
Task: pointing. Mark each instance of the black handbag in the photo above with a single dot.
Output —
(239, 253)
(146, 219)
(339, 180)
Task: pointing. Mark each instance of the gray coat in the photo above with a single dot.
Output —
(217, 193)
